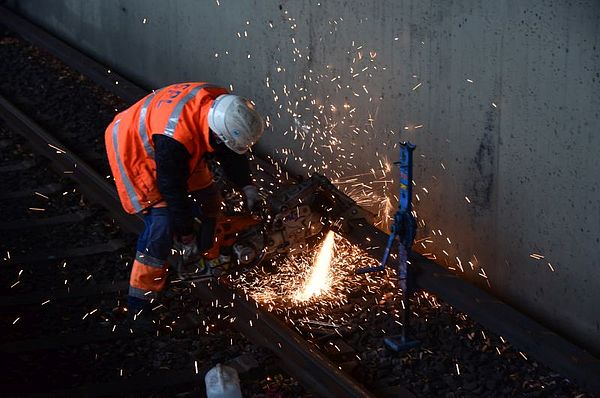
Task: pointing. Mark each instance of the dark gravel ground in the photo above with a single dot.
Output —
(190, 333)
(61, 100)
(456, 356)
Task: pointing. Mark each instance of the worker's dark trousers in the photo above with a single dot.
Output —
(149, 271)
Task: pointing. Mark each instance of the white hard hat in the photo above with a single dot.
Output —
(236, 123)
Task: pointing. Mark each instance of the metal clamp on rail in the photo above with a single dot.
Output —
(403, 228)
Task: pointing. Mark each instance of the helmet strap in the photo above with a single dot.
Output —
(214, 139)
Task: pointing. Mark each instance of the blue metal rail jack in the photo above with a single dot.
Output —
(404, 228)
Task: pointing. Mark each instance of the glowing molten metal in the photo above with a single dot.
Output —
(319, 280)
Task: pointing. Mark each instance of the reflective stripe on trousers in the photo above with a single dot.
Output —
(149, 272)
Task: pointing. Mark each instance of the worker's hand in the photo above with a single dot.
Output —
(251, 196)
(188, 248)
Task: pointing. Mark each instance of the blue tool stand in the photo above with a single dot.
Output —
(403, 228)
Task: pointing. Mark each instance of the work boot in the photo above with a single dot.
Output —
(139, 315)
(144, 322)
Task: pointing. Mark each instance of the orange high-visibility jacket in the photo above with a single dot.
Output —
(179, 111)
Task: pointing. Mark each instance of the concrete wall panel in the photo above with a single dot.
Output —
(502, 99)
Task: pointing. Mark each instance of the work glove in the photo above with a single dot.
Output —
(188, 248)
(251, 196)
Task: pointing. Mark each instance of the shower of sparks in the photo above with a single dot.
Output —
(281, 289)
(57, 149)
(319, 280)
(331, 111)
(385, 214)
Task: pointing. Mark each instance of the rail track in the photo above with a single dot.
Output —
(306, 361)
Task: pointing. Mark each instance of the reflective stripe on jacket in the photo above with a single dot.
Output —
(179, 111)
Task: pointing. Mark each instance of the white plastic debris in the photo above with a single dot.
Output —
(222, 382)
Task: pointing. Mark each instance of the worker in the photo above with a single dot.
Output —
(157, 150)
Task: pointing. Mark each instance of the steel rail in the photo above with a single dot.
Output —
(523, 332)
(308, 366)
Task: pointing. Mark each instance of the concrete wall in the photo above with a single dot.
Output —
(501, 97)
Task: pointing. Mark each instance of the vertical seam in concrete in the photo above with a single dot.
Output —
(499, 141)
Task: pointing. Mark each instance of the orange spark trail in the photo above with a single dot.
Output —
(319, 280)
